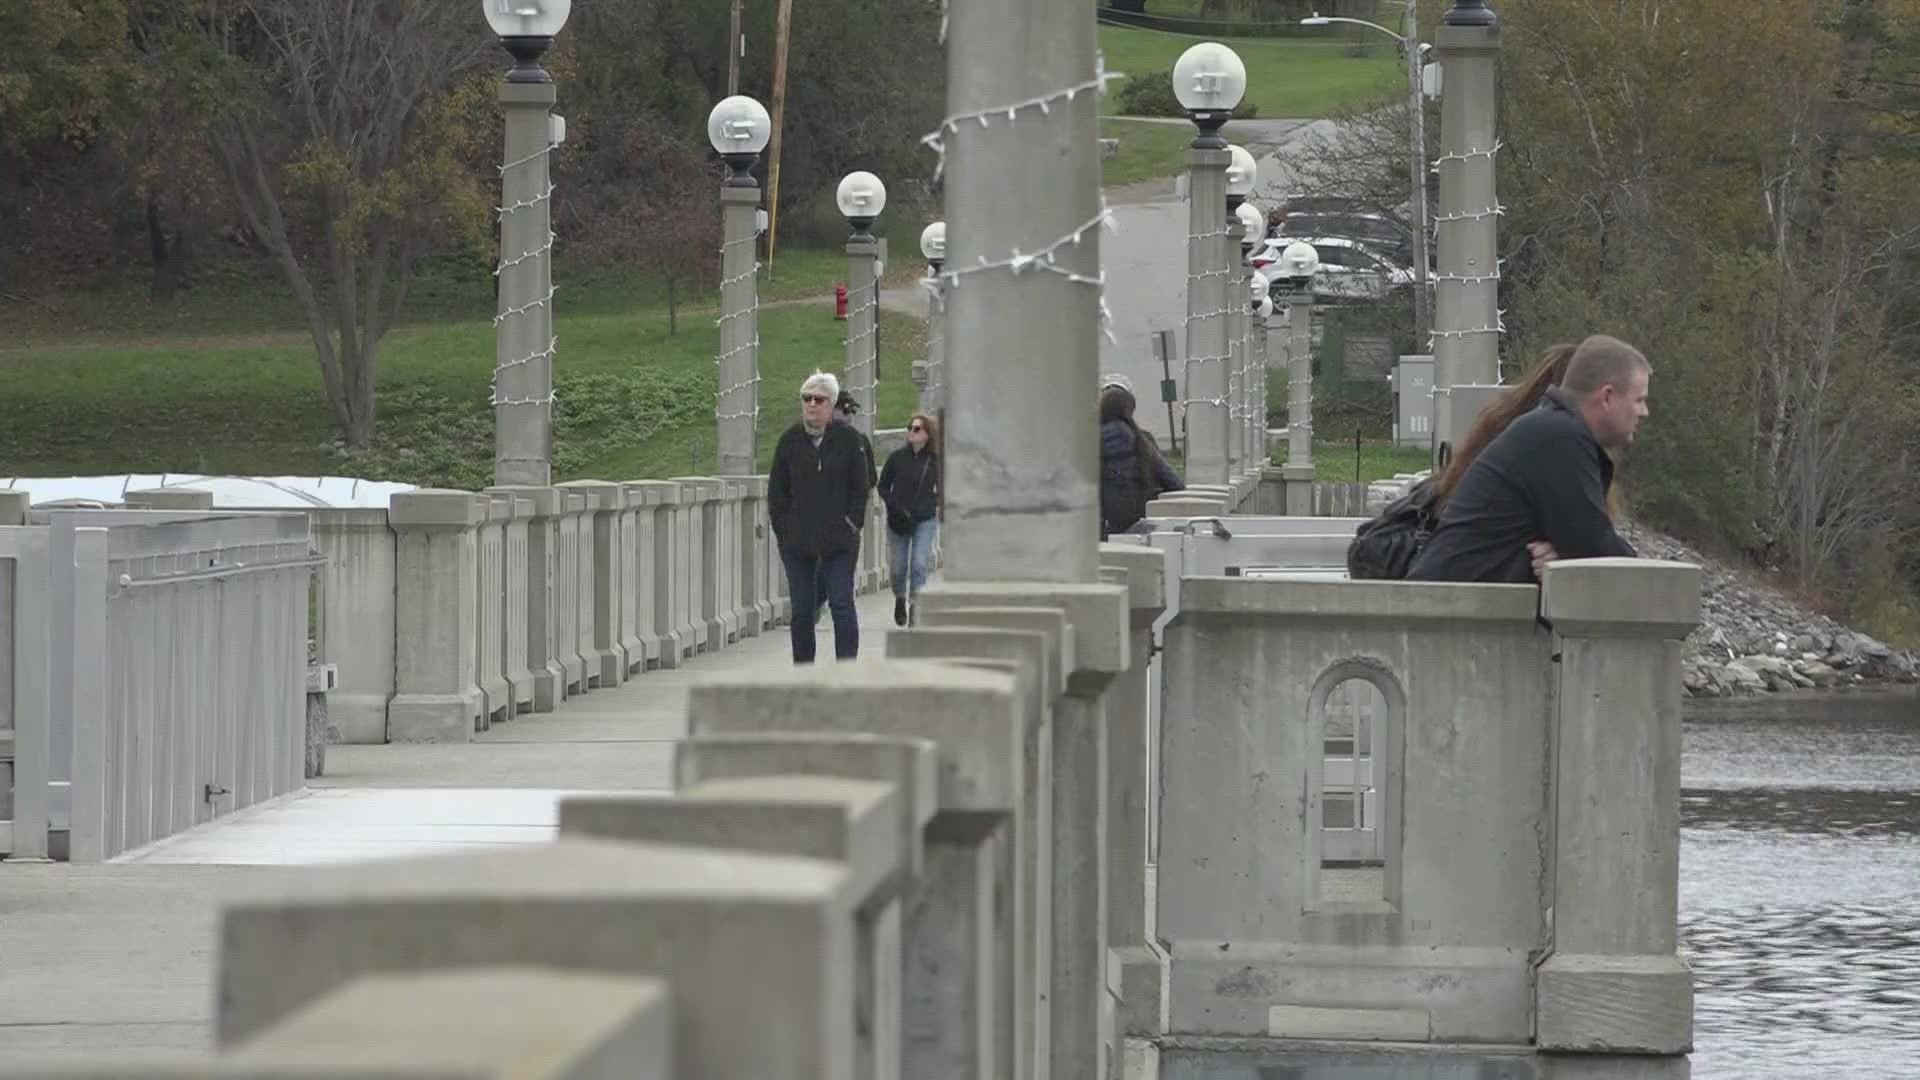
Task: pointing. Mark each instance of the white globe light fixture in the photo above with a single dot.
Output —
(933, 243)
(1265, 307)
(1300, 262)
(1209, 81)
(738, 128)
(526, 29)
(1241, 172)
(1257, 285)
(1253, 221)
(861, 196)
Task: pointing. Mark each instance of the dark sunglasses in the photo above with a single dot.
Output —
(815, 399)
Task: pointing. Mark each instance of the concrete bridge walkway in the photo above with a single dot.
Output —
(120, 957)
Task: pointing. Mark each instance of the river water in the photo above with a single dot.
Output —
(1800, 886)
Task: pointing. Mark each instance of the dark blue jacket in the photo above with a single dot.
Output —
(1123, 500)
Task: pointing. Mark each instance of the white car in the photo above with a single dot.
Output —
(1349, 270)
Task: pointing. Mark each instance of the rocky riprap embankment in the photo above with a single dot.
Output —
(1752, 639)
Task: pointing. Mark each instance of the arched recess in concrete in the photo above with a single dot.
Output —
(1340, 878)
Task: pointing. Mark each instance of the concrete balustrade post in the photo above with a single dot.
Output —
(636, 533)
(652, 599)
(15, 507)
(602, 579)
(765, 937)
(951, 937)
(727, 564)
(1297, 474)
(1613, 992)
(859, 375)
(569, 557)
(514, 670)
(356, 592)
(703, 563)
(1131, 729)
(1262, 453)
(541, 526)
(490, 628)
(737, 405)
(1034, 650)
(436, 611)
(671, 587)
(1081, 1012)
(756, 601)
(855, 822)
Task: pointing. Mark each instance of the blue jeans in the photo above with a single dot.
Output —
(807, 577)
(911, 554)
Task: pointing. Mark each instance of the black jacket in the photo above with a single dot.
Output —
(910, 486)
(817, 495)
(1127, 483)
(866, 447)
(1544, 478)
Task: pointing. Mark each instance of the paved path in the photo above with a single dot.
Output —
(120, 957)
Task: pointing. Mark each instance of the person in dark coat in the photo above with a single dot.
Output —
(845, 408)
(1132, 470)
(910, 486)
(1538, 492)
(816, 500)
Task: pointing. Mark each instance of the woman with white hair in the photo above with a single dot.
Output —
(816, 501)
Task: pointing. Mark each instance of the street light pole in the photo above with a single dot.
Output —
(523, 320)
(738, 128)
(1209, 80)
(932, 376)
(1252, 370)
(861, 197)
(1300, 262)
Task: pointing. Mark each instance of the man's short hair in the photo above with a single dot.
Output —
(1602, 361)
(821, 382)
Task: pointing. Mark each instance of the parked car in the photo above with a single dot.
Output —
(1349, 269)
(1385, 234)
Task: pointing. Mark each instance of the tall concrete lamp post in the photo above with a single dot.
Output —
(861, 197)
(1253, 226)
(1298, 264)
(738, 128)
(1262, 307)
(1209, 80)
(1241, 173)
(1466, 323)
(932, 375)
(523, 320)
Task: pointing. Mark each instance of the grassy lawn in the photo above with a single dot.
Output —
(227, 382)
(1379, 459)
(1285, 78)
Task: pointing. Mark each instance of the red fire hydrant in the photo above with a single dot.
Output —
(840, 301)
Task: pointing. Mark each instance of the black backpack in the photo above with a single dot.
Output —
(1384, 548)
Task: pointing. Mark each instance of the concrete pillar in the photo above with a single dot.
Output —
(601, 579)
(1207, 286)
(1262, 453)
(1130, 923)
(1235, 303)
(933, 375)
(1466, 339)
(1297, 473)
(951, 935)
(436, 600)
(573, 578)
(1080, 1010)
(523, 338)
(704, 564)
(737, 406)
(635, 616)
(863, 317)
(15, 506)
(1021, 441)
(735, 934)
(515, 669)
(168, 499)
(540, 607)
(1613, 982)
(356, 591)
(490, 627)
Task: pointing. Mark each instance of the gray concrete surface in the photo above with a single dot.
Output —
(119, 958)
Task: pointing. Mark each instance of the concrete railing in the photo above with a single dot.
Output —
(890, 867)
(451, 611)
(158, 673)
(1508, 892)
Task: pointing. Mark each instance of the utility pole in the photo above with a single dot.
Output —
(781, 34)
(1417, 106)
(736, 45)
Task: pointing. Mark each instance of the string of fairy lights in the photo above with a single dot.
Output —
(533, 261)
(725, 407)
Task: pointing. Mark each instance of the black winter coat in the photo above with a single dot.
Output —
(1127, 482)
(817, 495)
(910, 486)
(1544, 478)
